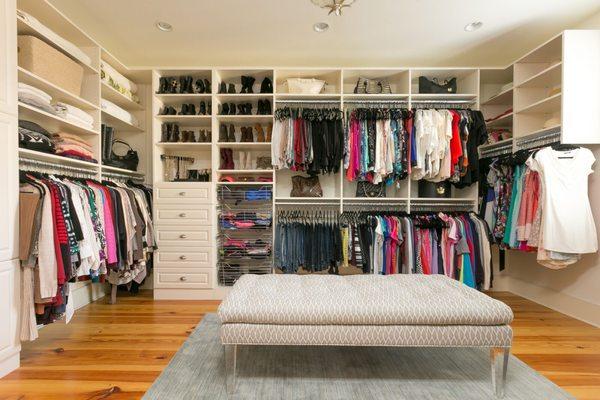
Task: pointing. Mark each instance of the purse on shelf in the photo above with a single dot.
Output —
(306, 186)
(263, 162)
(305, 85)
(434, 189)
(372, 86)
(128, 161)
(368, 189)
(433, 86)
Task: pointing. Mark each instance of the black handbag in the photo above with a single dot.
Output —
(434, 189)
(432, 86)
(368, 189)
(128, 161)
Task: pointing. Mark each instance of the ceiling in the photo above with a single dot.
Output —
(279, 32)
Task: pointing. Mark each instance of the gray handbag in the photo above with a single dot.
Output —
(372, 86)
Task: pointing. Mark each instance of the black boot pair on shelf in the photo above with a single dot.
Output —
(230, 109)
(266, 86)
(264, 107)
(227, 159)
(226, 89)
(226, 135)
(247, 83)
(183, 85)
(170, 134)
(187, 109)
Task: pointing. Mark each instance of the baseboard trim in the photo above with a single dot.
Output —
(568, 305)
(10, 363)
(86, 292)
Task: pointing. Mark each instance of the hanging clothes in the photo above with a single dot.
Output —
(78, 229)
(538, 202)
(444, 145)
(376, 144)
(308, 140)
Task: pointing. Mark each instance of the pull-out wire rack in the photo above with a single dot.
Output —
(245, 239)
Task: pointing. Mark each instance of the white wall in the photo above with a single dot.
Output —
(574, 290)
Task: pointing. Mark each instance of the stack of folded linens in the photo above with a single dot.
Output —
(72, 146)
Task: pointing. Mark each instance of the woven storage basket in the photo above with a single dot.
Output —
(305, 85)
(45, 61)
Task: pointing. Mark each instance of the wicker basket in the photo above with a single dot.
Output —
(305, 86)
(45, 61)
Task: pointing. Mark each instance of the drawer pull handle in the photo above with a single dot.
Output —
(182, 236)
(182, 257)
(183, 278)
(182, 215)
(182, 193)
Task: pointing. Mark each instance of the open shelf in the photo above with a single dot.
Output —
(124, 171)
(377, 96)
(57, 93)
(245, 171)
(308, 97)
(225, 97)
(245, 119)
(53, 158)
(245, 183)
(538, 131)
(505, 121)
(187, 120)
(504, 97)
(548, 77)
(545, 106)
(307, 199)
(185, 145)
(118, 98)
(443, 96)
(51, 122)
(246, 145)
(119, 124)
(183, 98)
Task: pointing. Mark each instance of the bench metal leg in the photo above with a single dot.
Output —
(498, 382)
(230, 367)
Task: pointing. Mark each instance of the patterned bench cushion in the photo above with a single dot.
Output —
(368, 335)
(359, 300)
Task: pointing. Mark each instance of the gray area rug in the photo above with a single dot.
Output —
(197, 372)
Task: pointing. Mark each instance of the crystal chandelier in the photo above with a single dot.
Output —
(334, 6)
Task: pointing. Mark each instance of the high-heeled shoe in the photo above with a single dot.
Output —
(174, 133)
(231, 109)
(222, 88)
(172, 86)
(184, 110)
(247, 83)
(192, 137)
(182, 84)
(267, 107)
(231, 135)
(266, 86)
(208, 136)
(202, 108)
(164, 133)
(231, 88)
(191, 109)
(240, 109)
(209, 108)
(201, 136)
(163, 83)
(207, 88)
(185, 136)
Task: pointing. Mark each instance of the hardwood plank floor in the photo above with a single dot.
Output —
(117, 351)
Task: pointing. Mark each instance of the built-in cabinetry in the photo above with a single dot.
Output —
(552, 90)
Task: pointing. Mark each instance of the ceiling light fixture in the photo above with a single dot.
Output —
(321, 26)
(473, 26)
(334, 6)
(164, 26)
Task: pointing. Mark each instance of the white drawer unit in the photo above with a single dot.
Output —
(183, 193)
(182, 257)
(176, 236)
(174, 214)
(184, 279)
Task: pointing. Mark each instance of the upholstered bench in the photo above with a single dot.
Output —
(363, 310)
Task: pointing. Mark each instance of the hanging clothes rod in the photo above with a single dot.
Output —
(375, 101)
(545, 138)
(472, 101)
(122, 176)
(24, 162)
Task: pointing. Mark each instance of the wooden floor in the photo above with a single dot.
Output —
(117, 351)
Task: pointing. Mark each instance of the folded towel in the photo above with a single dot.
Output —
(69, 142)
(64, 148)
(63, 109)
(118, 112)
(70, 137)
(54, 37)
(25, 88)
(77, 121)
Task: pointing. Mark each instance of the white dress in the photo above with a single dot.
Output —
(567, 220)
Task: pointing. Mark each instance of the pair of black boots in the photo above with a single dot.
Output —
(247, 83)
(107, 136)
(264, 108)
(226, 135)
(183, 85)
(242, 109)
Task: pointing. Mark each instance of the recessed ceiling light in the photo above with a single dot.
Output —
(164, 26)
(321, 26)
(473, 26)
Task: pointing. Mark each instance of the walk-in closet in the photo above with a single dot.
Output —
(345, 200)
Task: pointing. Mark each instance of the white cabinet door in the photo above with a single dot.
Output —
(9, 308)
(8, 57)
(9, 187)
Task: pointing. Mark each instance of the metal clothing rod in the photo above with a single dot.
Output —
(50, 165)
(307, 101)
(375, 101)
(443, 101)
(122, 175)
